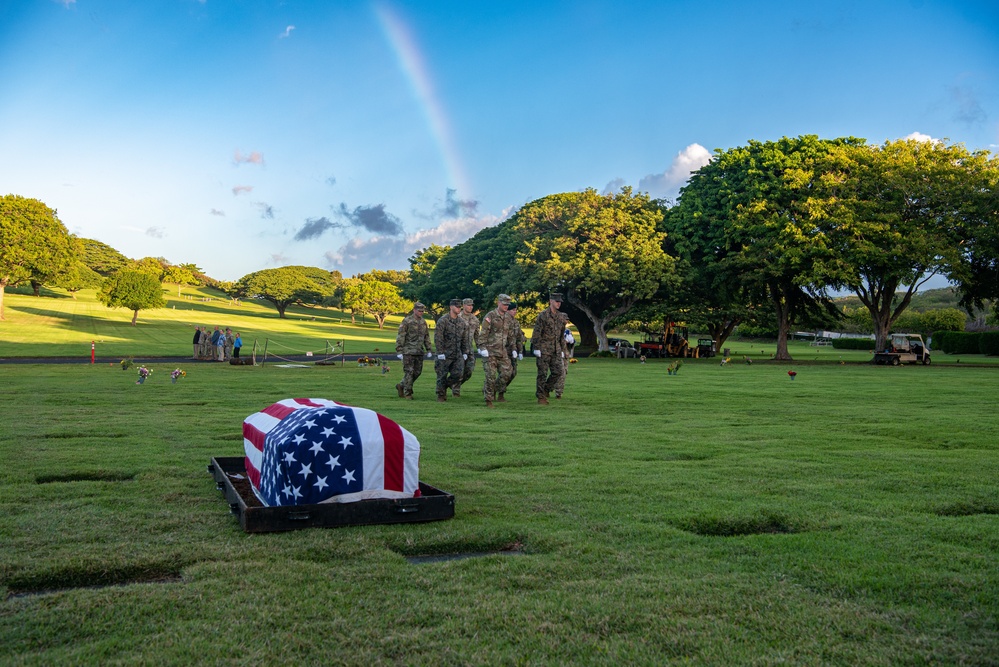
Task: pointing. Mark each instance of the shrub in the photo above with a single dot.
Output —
(960, 342)
(853, 344)
(939, 340)
(989, 342)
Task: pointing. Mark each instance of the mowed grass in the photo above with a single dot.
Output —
(727, 515)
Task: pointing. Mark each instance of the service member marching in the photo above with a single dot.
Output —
(472, 331)
(516, 340)
(564, 344)
(410, 343)
(493, 336)
(547, 345)
(451, 341)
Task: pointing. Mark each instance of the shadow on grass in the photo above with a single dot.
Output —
(731, 526)
(86, 476)
(71, 578)
(968, 508)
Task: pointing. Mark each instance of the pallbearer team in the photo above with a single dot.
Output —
(498, 340)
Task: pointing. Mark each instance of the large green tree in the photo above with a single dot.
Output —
(977, 275)
(33, 241)
(102, 258)
(603, 252)
(374, 297)
(421, 267)
(479, 269)
(771, 207)
(132, 289)
(282, 287)
(896, 213)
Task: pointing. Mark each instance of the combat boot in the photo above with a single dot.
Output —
(489, 404)
(500, 399)
(398, 389)
(542, 401)
(441, 399)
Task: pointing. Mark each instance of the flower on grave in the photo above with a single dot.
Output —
(574, 361)
(385, 369)
(126, 363)
(177, 373)
(144, 372)
(792, 373)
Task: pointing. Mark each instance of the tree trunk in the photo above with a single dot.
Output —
(36, 287)
(783, 328)
(3, 286)
(280, 309)
(135, 316)
(380, 317)
(720, 331)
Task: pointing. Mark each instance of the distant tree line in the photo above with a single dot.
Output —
(762, 236)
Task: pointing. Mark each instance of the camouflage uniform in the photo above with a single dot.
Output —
(515, 344)
(451, 340)
(564, 347)
(547, 339)
(412, 341)
(493, 337)
(472, 331)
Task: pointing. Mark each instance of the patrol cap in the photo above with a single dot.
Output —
(503, 298)
(555, 296)
(419, 306)
(467, 302)
(455, 302)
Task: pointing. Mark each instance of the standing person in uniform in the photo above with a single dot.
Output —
(547, 344)
(566, 353)
(197, 341)
(411, 342)
(451, 341)
(229, 342)
(515, 343)
(472, 322)
(493, 337)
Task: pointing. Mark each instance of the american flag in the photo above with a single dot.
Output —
(303, 451)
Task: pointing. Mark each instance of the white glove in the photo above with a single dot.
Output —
(398, 356)
(441, 357)
(520, 357)
(484, 352)
(430, 355)
(563, 355)
(513, 354)
(537, 353)
(465, 357)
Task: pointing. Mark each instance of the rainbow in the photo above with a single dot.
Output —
(411, 63)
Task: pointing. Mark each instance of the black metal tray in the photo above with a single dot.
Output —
(432, 505)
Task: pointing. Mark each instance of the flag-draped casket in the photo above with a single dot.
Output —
(304, 451)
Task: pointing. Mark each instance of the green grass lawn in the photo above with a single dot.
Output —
(727, 515)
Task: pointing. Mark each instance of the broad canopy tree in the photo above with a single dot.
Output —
(897, 212)
(33, 242)
(133, 289)
(282, 287)
(603, 252)
(374, 297)
(769, 206)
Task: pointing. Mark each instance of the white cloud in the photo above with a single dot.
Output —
(287, 32)
(919, 136)
(668, 183)
(393, 252)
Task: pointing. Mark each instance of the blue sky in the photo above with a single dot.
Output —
(242, 135)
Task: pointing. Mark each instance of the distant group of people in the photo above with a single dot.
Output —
(220, 345)
(498, 340)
